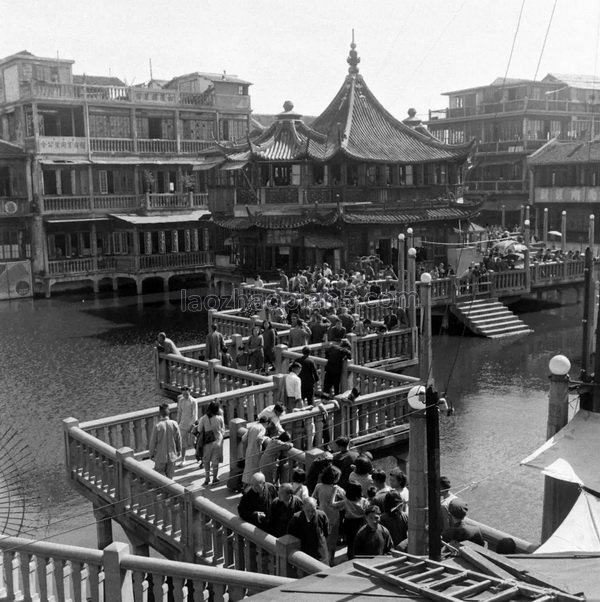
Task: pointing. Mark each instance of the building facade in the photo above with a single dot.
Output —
(565, 176)
(102, 173)
(510, 119)
(340, 188)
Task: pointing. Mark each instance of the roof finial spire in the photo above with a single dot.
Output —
(353, 59)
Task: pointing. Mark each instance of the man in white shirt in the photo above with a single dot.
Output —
(273, 414)
(293, 388)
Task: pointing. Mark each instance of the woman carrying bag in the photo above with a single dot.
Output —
(211, 428)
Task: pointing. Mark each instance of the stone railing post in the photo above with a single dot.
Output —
(310, 456)
(237, 343)
(123, 493)
(278, 389)
(190, 194)
(353, 339)
(211, 319)
(118, 583)
(283, 548)
(146, 201)
(235, 424)
(213, 384)
(345, 378)
(68, 424)
(281, 363)
(191, 528)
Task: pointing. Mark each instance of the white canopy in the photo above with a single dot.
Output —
(580, 531)
(571, 455)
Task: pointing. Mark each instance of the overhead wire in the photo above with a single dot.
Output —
(545, 40)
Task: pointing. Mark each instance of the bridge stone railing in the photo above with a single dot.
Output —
(178, 522)
(32, 570)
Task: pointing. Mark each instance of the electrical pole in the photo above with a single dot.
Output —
(433, 473)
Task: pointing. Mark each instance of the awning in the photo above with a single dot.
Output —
(208, 165)
(234, 166)
(322, 241)
(161, 219)
(567, 456)
(72, 220)
(580, 531)
(63, 161)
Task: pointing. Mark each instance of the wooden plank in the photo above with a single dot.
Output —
(477, 559)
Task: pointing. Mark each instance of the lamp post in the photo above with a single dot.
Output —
(545, 232)
(527, 242)
(591, 232)
(503, 209)
(554, 510)
(411, 291)
(409, 234)
(563, 231)
(401, 262)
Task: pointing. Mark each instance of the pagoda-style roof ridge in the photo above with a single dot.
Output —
(359, 126)
(286, 139)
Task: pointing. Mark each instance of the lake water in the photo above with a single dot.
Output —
(89, 357)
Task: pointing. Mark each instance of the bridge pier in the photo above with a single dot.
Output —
(104, 530)
(96, 285)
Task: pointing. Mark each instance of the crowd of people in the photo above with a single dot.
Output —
(343, 501)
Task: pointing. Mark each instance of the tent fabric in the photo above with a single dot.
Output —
(567, 455)
(580, 531)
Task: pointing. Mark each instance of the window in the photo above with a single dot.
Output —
(120, 243)
(103, 181)
(242, 90)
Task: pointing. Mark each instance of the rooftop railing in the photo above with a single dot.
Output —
(119, 94)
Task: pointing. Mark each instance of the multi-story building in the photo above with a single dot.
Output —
(510, 119)
(565, 176)
(106, 177)
(342, 187)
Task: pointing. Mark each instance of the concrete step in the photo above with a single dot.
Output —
(490, 318)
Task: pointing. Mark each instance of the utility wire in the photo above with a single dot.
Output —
(545, 39)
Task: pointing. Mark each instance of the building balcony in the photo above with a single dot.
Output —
(13, 206)
(566, 194)
(72, 145)
(130, 264)
(101, 204)
(498, 186)
(114, 94)
(323, 195)
(520, 105)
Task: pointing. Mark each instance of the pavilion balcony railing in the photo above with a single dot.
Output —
(81, 266)
(181, 523)
(117, 94)
(498, 186)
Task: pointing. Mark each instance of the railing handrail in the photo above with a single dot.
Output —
(202, 401)
(55, 550)
(200, 503)
(198, 572)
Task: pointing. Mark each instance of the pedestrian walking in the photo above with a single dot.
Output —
(211, 428)
(165, 443)
(187, 415)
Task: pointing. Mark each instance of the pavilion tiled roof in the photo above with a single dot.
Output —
(560, 152)
(277, 222)
(358, 126)
(355, 125)
(408, 216)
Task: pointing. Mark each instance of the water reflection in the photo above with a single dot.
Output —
(89, 357)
